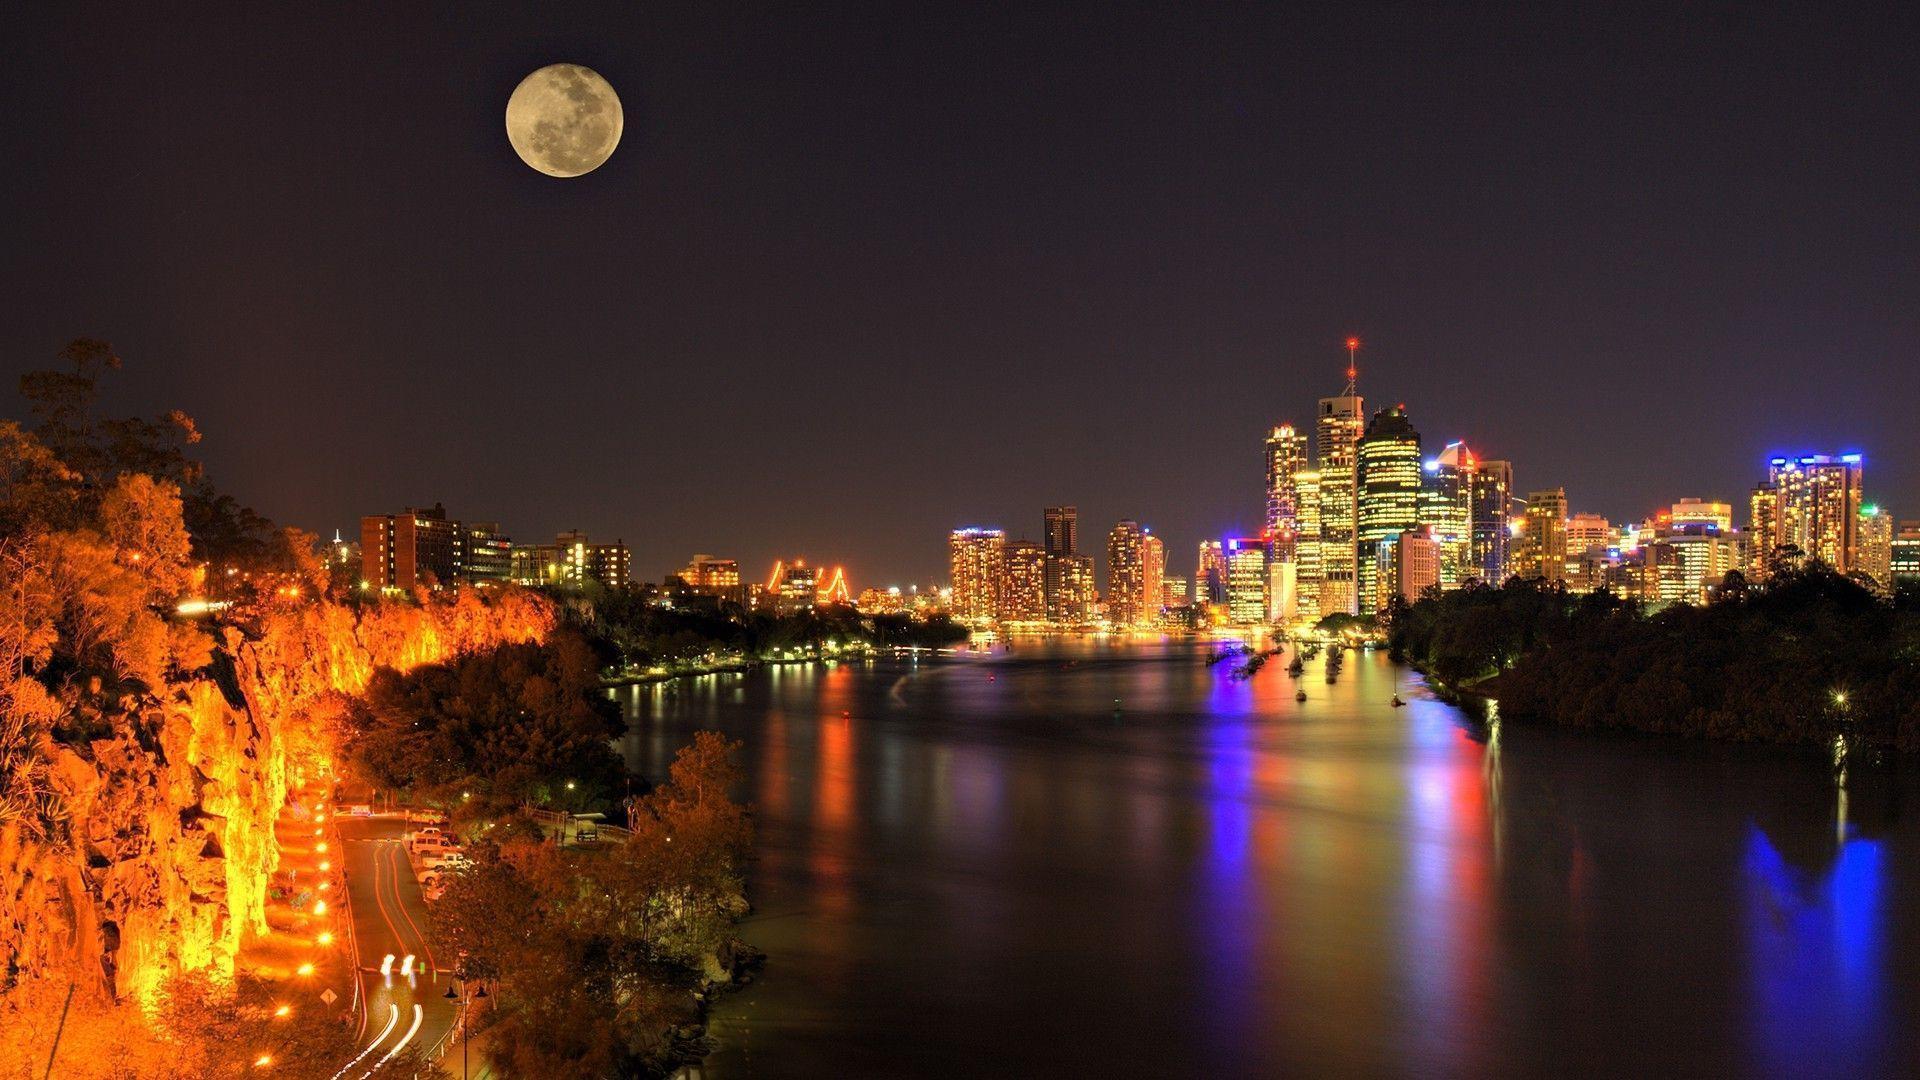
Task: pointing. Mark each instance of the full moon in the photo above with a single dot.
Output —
(564, 120)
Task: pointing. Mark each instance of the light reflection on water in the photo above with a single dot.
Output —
(991, 863)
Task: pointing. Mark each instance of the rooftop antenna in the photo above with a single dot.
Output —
(1353, 365)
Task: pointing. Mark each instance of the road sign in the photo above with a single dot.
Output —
(328, 997)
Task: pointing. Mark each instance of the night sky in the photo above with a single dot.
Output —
(853, 279)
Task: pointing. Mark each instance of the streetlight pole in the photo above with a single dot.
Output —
(464, 999)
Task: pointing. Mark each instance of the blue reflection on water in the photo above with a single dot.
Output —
(1228, 912)
(1816, 951)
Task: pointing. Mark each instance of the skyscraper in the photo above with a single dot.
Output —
(1389, 504)
(1153, 572)
(1126, 574)
(1246, 580)
(1286, 460)
(1815, 508)
(1342, 421)
(1543, 539)
(1876, 546)
(977, 558)
(1492, 519)
(1446, 504)
(1306, 545)
(1210, 574)
(1062, 544)
(1023, 592)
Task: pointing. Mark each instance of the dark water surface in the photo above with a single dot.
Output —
(973, 867)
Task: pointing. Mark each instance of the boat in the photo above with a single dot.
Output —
(1300, 695)
(1397, 702)
(1294, 669)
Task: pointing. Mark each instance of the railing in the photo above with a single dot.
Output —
(613, 833)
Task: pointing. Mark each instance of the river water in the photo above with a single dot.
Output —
(985, 866)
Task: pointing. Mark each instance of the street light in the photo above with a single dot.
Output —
(464, 1000)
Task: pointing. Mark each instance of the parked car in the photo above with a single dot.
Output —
(425, 842)
(429, 817)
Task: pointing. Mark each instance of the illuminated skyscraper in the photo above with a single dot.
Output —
(1389, 504)
(1286, 460)
(1306, 544)
(1210, 574)
(1446, 505)
(1072, 602)
(706, 575)
(1247, 581)
(1816, 508)
(1905, 558)
(1153, 573)
(1543, 538)
(1062, 543)
(1341, 425)
(977, 558)
(1023, 591)
(1876, 546)
(1126, 574)
(1701, 512)
(1492, 500)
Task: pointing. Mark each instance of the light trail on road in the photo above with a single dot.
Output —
(393, 1020)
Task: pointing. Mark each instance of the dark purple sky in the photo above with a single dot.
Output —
(853, 279)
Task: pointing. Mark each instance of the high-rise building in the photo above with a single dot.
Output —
(1072, 601)
(1126, 574)
(1543, 538)
(1246, 580)
(1585, 532)
(1904, 555)
(1306, 544)
(1153, 573)
(1210, 575)
(1446, 505)
(1062, 543)
(1876, 546)
(1063, 530)
(1389, 469)
(609, 564)
(1411, 563)
(1023, 592)
(489, 553)
(1286, 460)
(1492, 500)
(413, 548)
(1816, 508)
(1173, 593)
(1342, 421)
(1701, 557)
(977, 559)
(706, 575)
(1763, 529)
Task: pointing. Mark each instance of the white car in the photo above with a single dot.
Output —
(428, 843)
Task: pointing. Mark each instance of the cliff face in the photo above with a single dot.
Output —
(167, 844)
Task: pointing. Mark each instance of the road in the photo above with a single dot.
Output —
(390, 918)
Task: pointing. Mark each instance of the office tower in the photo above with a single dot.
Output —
(1702, 554)
(1173, 593)
(793, 587)
(705, 575)
(1815, 508)
(1023, 592)
(1904, 556)
(1763, 529)
(1210, 575)
(1410, 563)
(1063, 530)
(1246, 581)
(1492, 501)
(1389, 466)
(1126, 574)
(1153, 573)
(1306, 545)
(413, 548)
(489, 554)
(1543, 539)
(976, 558)
(1701, 512)
(581, 560)
(1876, 546)
(1073, 598)
(1446, 504)
(1341, 422)
(1062, 539)
(1586, 532)
(1286, 460)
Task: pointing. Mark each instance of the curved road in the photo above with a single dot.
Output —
(390, 918)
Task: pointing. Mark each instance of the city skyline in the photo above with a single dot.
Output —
(849, 279)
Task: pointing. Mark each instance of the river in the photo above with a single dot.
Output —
(1093, 859)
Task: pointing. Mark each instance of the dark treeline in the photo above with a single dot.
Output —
(1806, 656)
(643, 632)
